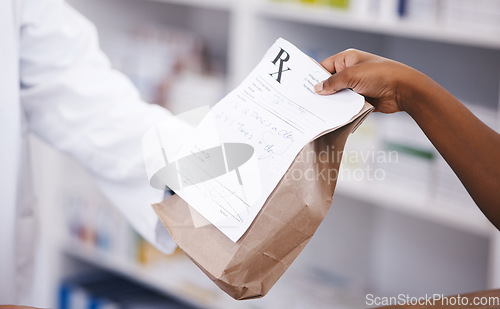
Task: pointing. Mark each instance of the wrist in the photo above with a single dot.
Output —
(414, 91)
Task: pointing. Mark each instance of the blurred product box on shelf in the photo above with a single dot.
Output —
(181, 96)
(473, 16)
(335, 4)
(418, 11)
(361, 152)
(104, 291)
(94, 225)
(410, 157)
(365, 8)
(425, 12)
(165, 63)
(318, 288)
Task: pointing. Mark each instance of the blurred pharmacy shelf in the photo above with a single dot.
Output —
(328, 17)
(209, 4)
(402, 200)
(174, 278)
(179, 278)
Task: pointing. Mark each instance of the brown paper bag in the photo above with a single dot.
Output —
(287, 221)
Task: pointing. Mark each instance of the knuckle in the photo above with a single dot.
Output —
(352, 52)
(352, 56)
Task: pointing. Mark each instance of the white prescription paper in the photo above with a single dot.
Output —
(277, 112)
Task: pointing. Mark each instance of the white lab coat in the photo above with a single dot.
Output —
(56, 83)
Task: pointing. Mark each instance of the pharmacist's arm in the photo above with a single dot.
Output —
(76, 102)
(471, 148)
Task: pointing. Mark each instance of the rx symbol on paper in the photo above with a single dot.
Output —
(283, 57)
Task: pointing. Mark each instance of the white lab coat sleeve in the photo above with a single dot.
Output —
(75, 101)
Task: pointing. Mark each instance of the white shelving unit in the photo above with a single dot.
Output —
(345, 20)
(408, 203)
(382, 240)
(173, 278)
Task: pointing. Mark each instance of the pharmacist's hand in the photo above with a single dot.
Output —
(381, 81)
